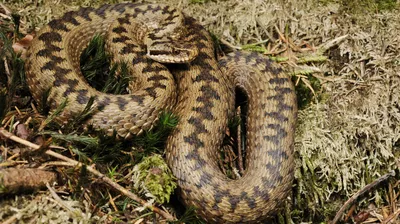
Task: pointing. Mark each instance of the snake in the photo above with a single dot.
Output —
(173, 60)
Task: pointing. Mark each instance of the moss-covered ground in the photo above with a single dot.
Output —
(344, 57)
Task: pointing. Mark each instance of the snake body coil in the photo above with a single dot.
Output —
(144, 35)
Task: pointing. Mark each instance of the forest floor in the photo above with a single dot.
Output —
(344, 60)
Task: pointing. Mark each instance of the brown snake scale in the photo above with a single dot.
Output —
(148, 36)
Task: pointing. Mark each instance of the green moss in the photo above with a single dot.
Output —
(304, 95)
(54, 115)
(190, 217)
(12, 78)
(74, 138)
(152, 141)
(3, 188)
(95, 67)
(361, 6)
(153, 176)
(255, 48)
(386, 4)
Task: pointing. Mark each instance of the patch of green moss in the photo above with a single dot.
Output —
(3, 188)
(152, 141)
(304, 95)
(153, 176)
(362, 6)
(255, 48)
(189, 217)
(12, 78)
(386, 4)
(95, 67)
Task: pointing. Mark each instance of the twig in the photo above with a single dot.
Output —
(359, 193)
(54, 163)
(72, 162)
(230, 45)
(7, 11)
(281, 36)
(11, 158)
(325, 46)
(232, 157)
(59, 201)
(350, 212)
(111, 200)
(10, 136)
(11, 163)
(4, 152)
(7, 69)
(273, 52)
(286, 40)
(16, 180)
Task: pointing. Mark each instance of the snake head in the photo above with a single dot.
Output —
(171, 52)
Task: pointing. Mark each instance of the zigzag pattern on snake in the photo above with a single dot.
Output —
(144, 35)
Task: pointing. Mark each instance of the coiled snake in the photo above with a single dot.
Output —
(144, 35)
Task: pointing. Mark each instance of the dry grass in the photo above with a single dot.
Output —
(348, 135)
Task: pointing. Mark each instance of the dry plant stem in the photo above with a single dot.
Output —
(285, 40)
(4, 16)
(16, 155)
(325, 46)
(59, 200)
(359, 193)
(239, 143)
(391, 217)
(7, 120)
(4, 151)
(10, 136)
(230, 45)
(139, 221)
(6, 9)
(72, 162)
(7, 69)
(395, 185)
(111, 200)
(231, 157)
(54, 163)
(392, 199)
(8, 164)
(11, 220)
(281, 36)
(350, 212)
(221, 164)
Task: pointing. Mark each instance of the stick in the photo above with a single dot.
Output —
(61, 202)
(15, 180)
(359, 193)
